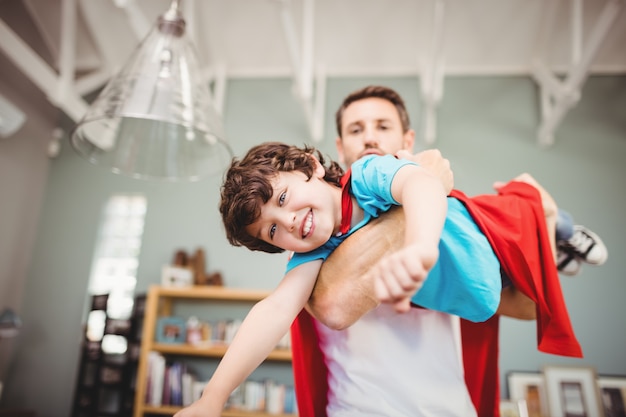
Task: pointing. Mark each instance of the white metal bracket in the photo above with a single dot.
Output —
(559, 96)
(301, 56)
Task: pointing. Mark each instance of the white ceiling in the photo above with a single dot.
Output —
(313, 39)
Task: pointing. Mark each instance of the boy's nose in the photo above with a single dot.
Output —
(290, 221)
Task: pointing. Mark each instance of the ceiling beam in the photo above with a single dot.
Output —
(40, 73)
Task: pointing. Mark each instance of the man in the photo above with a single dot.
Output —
(387, 364)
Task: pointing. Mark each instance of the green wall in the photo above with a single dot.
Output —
(486, 127)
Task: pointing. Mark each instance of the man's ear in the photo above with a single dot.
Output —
(340, 155)
(408, 140)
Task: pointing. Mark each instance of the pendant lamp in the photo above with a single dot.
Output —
(155, 119)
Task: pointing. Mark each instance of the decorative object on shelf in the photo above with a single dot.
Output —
(194, 331)
(171, 330)
(10, 324)
(155, 118)
(176, 276)
(196, 264)
(572, 391)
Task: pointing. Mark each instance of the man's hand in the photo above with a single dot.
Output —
(435, 163)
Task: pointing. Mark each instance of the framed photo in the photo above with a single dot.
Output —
(529, 387)
(171, 330)
(572, 391)
(513, 408)
(613, 394)
(176, 276)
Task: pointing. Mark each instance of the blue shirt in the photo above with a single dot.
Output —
(466, 279)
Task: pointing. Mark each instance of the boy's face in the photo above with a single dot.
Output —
(301, 215)
(371, 126)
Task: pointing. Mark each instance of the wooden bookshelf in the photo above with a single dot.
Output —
(160, 302)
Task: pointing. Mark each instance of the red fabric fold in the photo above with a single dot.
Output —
(514, 223)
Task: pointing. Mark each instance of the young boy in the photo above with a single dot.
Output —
(280, 197)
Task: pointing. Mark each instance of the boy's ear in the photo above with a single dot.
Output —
(319, 171)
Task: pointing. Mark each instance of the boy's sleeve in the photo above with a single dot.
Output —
(371, 182)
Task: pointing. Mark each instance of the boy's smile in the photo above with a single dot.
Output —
(302, 214)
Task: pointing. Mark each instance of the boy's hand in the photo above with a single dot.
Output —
(400, 275)
(198, 409)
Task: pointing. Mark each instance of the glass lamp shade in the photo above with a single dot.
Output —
(154, 119)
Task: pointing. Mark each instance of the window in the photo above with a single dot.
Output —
(116, 256)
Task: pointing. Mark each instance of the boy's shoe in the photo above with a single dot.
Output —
(585, 245)
(567, 263)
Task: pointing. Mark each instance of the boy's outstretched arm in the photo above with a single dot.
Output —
(266, 323)
(400, 274)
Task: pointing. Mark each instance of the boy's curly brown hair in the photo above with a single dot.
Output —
(247, 186)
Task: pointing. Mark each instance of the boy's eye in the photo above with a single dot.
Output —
(272, 231)
(281, 198)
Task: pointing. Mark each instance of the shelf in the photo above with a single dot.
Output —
(212, 293)
(216, 351)
(159, 303)
(171, 410)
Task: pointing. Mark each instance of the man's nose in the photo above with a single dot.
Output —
(369, 136)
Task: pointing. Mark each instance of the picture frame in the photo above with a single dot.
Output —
(529, 387)
(176, 276)
(613, 393)
(172, 330)
(513, 408)
(572, 391)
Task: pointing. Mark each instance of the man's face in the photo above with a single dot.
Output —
(371, 126)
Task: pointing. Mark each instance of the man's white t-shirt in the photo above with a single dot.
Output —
(389, 364)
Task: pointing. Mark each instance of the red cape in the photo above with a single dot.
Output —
(514, 223)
